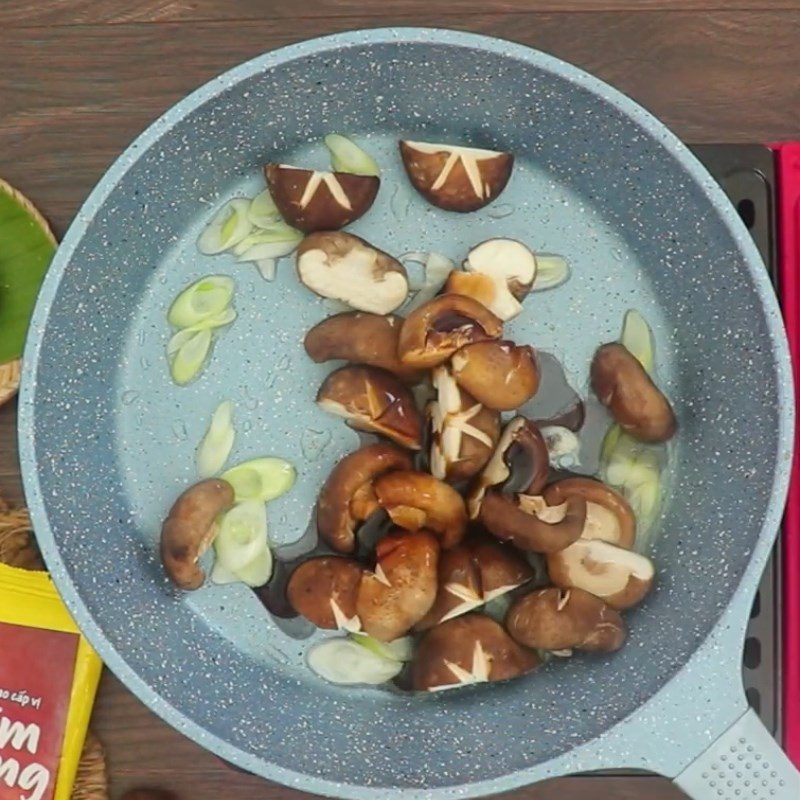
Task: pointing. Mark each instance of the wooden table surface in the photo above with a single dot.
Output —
(80, 78)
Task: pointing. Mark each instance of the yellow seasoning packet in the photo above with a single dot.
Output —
(48, 681)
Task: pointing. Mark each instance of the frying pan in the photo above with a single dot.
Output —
(107, 441)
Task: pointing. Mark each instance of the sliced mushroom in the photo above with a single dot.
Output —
(471, 574)
(493, 294)
(608, 515)
(434, 331)
(463, 432)
(622, 384)
(348, 498)
(416, 500)
(373, 399)
(324, 590)
(501, 375)
(530, 524)
(190, 528)
(456, 178)
(361, 338)
(344, 267)
(507, 262)
(393, 598)
(619, 577)
(469, 649)
(565, 619)
(519, 465)
(320, 201)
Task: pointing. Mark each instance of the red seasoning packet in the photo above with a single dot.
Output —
(48, 680)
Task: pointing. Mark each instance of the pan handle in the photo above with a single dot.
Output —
(745, 763)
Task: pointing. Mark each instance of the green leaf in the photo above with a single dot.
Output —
(26, 249)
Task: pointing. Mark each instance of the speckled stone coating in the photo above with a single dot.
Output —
(107, 441)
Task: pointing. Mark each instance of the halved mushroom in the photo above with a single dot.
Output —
(471, 574)
(563, 620)
(344, 267)
(324, 590)
(361, 338)
(519, 465)
(463, 432)
(348, 498)
(190, 528)
(530, 524)
(434, 331)
(469, 649)
(393, 598)
(456, 178)
(619, 577)
(622, 384)
(488, 292)
(608, 515)
(372, 399)
(507, 262)
(320, 201)
(501, 375)
(416, 500)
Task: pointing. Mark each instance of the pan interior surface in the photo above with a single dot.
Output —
(114, 439)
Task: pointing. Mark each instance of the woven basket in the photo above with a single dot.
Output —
(18, 549)
(9, 373)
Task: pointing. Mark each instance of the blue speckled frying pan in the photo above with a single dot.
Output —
(108, 441)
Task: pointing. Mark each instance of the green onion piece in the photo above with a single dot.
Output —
(242, 535)
(638, 339)
(187, 352)
(266, 268)
(342, 661)
(203, 299)
(216, 445)
(262, 211)
(347, 156)
(551, 271)
(401, 649)
(272, 250)
(227, 228)
(262, 479)
(280, 233)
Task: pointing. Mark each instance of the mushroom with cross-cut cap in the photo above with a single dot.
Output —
(324, 590)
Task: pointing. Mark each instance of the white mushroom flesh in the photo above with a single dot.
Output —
(506, 260)
(601, 524)
(329, 179)
(536, 505)
(603, 569)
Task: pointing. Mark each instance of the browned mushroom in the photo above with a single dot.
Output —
(608, 515)
(621, 578)
(373, 399)
(469, 649)
(456, 178)
(520, 464)
(563, 620)
(361, 338)
(344, 267)
(530, 524)
(501, 375)
(435, 330)
(471, 574)
(416, 500)
(190, 528)
(320, 201)
(393, 598)
(348, 497)
(463, 432)
(324, 590)
(622, 384)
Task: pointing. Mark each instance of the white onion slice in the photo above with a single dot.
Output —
(258, 571)
(205, 298)
(261, 479)
(551, 271)
(342, 661)
(187, 352)
(217, 444)
(638, 339)
(347, 156)
(262, 211)
(227, 228)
